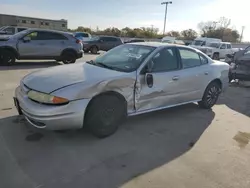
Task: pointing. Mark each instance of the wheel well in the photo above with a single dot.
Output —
(69, 50)
(218, 81)
(10, 49)
(112, 93)
(216, 53)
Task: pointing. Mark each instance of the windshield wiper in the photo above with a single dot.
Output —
(100, 64)
(104, 65)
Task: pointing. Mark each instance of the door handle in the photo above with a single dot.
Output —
(175, 78)
(206, 73)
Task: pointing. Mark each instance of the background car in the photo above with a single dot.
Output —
(130, 79)
(103, 43)
(40, 44)
(240, 67)
(135, 40)
(82, 36)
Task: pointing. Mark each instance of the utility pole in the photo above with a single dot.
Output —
(166, 10)
(242, 31)
(152, 30)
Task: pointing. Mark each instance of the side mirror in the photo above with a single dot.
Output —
(26, 39)
(149, 80)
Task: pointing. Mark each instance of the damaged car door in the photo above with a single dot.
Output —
(157, 84)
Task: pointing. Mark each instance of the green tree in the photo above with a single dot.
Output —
(174, 34)
(219, 29)
(189, 34)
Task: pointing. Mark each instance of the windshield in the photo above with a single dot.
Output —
(214, 45)
(124, 58)
(2, 28)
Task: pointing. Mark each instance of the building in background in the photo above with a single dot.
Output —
(30, 22)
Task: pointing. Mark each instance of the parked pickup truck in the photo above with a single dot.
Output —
(218, 50)
(6, 31)
(40, 44)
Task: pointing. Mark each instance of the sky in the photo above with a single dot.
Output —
(182, 14)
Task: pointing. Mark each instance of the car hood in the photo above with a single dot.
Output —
(52, 79)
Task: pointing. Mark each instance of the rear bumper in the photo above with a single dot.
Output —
(70, 116)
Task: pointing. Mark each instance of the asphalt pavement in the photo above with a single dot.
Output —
(183, 147)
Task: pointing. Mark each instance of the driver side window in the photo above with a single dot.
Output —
(165, 60)
(33, 36)
(223, 46)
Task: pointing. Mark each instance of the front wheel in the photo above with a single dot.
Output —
(7, 57)
(216, 56)
(104, 114)
(210, 96)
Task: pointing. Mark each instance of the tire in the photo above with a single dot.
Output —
(230, 77)
(94, 49)
(210, 96)
(104, 114)
(7, 57)
(216, 56)
(68, 58)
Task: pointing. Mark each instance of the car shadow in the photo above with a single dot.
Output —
(47, 159)
(234, 92)
(30, 65)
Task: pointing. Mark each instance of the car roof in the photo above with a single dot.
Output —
(108, 36)
(160, 44)
(49, 30)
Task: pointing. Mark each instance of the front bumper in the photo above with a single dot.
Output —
(70, 116)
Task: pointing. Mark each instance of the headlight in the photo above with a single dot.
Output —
(46, 98)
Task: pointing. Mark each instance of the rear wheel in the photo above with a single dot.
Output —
(7, 57)
(216, 56)
(104, 114)
(210, 96)
(68, 57)
(94, 49)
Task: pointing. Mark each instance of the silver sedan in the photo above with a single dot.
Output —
(128, 80)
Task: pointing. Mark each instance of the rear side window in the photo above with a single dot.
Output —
(51, 36)
(189, 58)
(43, 35)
